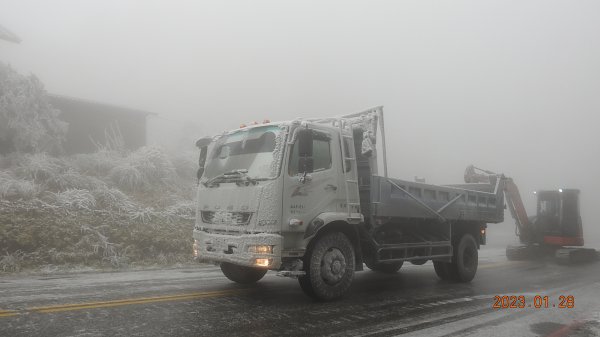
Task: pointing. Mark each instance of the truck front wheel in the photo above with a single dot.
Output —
(242, 274)
(329, 267)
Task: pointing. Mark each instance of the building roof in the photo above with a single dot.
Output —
(7, 35)
(61, 99)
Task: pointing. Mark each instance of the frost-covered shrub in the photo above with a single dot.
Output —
(74, 180)
(143, 215)
(98, 164)
(12, 262)
(28, 123)
(16, 189)
(113, 199)
(183, 209)
(97, 241)
(39, 167)
(75, 199)
(127, 177)
(153, 164)
(145, 169)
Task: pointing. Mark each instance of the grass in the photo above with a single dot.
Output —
(101, 209)
(12, 188)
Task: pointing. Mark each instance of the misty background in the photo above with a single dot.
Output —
(510, 86)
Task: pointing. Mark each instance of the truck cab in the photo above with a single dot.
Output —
(265, 187)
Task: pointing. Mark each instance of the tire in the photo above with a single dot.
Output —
(242, 274)
(386, 268)
(329, 267)
(444, 270)
(464, 263)
(466, 259)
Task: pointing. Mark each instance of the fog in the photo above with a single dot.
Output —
(509, 86)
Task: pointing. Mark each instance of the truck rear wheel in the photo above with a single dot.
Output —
(464, 263)
(466, 259)
(329, 267)
(444, 270)
(386, 268)
(242, 274)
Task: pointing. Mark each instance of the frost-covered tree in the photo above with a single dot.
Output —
(28, 123)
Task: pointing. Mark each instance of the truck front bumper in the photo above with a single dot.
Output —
(238, 249)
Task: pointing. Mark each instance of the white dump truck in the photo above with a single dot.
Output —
(305, 198)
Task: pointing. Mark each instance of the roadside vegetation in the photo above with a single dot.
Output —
(112, 208)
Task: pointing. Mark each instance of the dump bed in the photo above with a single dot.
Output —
(467, 202)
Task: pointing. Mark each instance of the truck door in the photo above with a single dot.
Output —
(304, 199)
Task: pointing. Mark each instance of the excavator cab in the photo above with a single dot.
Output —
(558, 222)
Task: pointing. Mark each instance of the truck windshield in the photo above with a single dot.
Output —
(255, 150)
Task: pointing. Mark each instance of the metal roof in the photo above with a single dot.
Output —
(54, 98)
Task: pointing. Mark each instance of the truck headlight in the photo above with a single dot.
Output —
(260, 249)
(263, 262)
(195, 248)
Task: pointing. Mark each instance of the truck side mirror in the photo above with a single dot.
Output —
(201, 162)
(202, 144)
(305, 143)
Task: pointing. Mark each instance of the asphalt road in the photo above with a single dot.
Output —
(199, 301)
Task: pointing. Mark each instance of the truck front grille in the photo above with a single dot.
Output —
(226, 218)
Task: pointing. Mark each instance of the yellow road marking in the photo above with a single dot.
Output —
(180, 297)
(117, 303)
(8, 313)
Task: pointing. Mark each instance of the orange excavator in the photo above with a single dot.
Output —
(556, 229)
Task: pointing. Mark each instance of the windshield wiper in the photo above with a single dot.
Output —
(233, 174)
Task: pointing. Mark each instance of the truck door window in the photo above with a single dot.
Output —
(321, 155)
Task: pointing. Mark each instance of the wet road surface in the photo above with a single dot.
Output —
(199, 301)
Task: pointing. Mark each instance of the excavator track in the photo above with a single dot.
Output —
(562, 255)
(522, 252)
(575, 255)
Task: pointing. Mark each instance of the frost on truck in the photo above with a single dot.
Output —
(252, 152)
(305, 198)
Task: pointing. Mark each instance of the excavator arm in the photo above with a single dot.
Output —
(524, 228)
